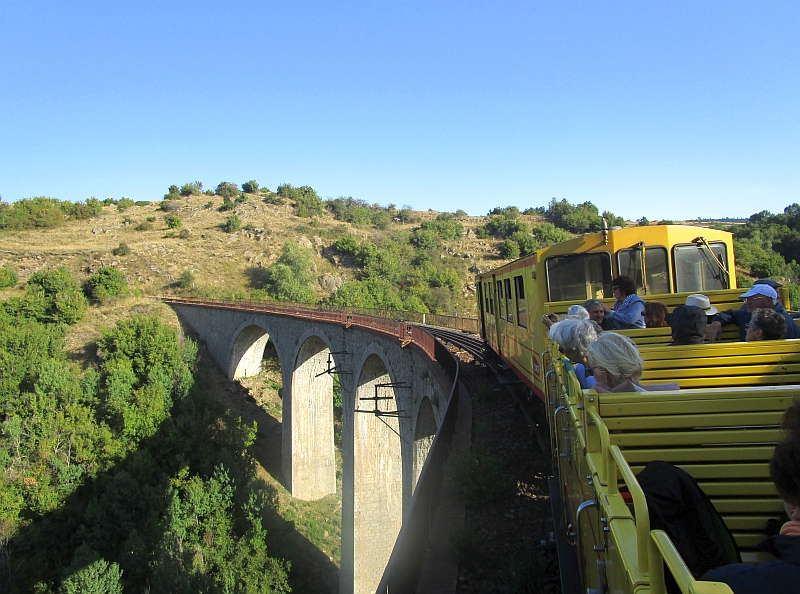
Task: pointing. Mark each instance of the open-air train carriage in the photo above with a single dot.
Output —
(720, 427)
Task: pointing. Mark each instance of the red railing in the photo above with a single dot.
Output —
(403, 330)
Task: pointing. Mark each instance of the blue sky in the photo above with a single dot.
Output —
(658, 109)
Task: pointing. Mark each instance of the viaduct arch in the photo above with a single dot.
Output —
(393, 395)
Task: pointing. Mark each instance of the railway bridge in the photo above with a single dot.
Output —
(397, 390)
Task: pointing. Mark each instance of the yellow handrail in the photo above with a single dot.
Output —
(664, 550)
(615, 462)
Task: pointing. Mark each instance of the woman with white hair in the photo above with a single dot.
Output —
(573, 336)
(617, 365)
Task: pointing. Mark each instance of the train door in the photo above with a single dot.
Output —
(497, 291)
(483, 307)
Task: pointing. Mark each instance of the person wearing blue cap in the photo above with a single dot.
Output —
(760, 295)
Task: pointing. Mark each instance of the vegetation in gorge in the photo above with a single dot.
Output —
(121, 476)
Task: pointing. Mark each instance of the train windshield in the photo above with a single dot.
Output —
(579, 277)
(655, 268)
(697, 269)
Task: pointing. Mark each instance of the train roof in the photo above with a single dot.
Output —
(614, 240)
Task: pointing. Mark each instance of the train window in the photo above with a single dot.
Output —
(490, 293)
(500, 301)
(509, 304)
(655, 264)
(522, 314)
(579, 277)
(697, 270)
(486, 298)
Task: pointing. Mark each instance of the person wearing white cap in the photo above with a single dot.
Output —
(758, 296)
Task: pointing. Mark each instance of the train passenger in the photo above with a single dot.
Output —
(703, 302)
(688, 324)
(765, 324)
(574, 311)
(782, 574)
(577, 311)
(629, 308)
(758, 296)
(597, 312)
(617, 365)
(573, 336)
(655, 314)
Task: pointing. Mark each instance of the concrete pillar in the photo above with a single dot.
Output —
(377, 477)
(313, 463)
(424, 432)
(247, 352)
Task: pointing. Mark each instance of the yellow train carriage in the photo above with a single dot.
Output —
(662, 260)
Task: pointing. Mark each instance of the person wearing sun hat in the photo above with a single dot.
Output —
(759, 296)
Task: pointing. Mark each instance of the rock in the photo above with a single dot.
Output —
(330, 283)
(303, 241)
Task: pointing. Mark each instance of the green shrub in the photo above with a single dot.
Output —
(291, 277)
(209, 205)
(447, 228)
(145, 226)
(190, 190)
(232, 224)
(185, 233)
(425, 239)
(509, 249)
(227, 190)
(306, 201)
(106, 284)
(55, 296)
(170, 205)
(8, 277)
(121, 250)
(185, 280)
(250, 187)
(108, 202)
(142, 202)
(273, 198)
(173, 221)
(527, 243)
(124, 204)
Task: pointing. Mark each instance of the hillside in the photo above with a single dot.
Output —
(222, 263)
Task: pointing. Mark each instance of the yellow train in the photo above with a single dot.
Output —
(664, 260)
(720, 427)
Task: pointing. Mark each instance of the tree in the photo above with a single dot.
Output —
(643, 222)
(509, 249)
(227, 190)
(306, 201)
(191, 189)
(250, 187)
(291, 277)
(55, 296)
(106, 284)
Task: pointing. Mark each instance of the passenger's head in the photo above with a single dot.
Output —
(703, 302)
(655, 314)
(597, 312)
(577, 311)
(615, 359)
(622, 286)
(768, 281)
(760, 296)
(784, 468)
(765, 324)
(689, 325)
(573, 337)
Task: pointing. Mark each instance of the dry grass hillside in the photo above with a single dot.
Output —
(222, 263)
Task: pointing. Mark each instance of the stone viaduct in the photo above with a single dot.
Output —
(394, 397)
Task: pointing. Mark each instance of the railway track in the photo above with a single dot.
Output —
(530, 405)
